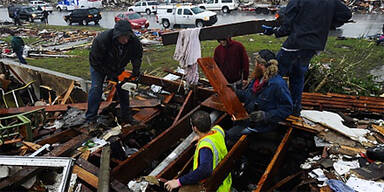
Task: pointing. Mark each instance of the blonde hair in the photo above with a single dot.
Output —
(271, 68)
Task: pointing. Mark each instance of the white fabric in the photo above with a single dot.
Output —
(335, 122)
(187, 51)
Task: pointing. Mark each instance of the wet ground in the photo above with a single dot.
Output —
(366, 24)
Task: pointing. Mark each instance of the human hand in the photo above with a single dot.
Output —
(172, 184)
(268, 30)
(257, 116)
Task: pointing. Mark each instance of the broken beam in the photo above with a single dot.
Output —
(226, 94)
(82, 106)
(224, 167)
(276, 157)
(136, 163)
(223, 31)
(103, 184)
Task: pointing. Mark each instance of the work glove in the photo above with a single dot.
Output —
(257, 116)
(268, 30)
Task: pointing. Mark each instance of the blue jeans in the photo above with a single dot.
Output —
(19, 55)
(94, 97)
(294, 64)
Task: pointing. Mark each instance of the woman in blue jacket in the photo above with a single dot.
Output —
(266, 99)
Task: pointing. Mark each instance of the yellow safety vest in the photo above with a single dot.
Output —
(216, 143)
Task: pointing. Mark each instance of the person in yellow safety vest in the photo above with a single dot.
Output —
(209, 152)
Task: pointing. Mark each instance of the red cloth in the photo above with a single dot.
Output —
(232, 61)
(256, 87)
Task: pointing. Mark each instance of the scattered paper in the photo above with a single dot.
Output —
(361, 185)
(342, 167)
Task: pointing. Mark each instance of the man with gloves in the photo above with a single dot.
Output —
(266, 98)
(111, 51)
(306, 23)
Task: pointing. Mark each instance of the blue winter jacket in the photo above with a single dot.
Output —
(274, 99)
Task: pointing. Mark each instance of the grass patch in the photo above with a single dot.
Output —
(360, 56)
(64, 28)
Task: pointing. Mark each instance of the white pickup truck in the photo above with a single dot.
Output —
(216, 5)
(186, 15)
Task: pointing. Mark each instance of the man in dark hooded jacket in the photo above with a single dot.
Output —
(111, 51)
(306, 23)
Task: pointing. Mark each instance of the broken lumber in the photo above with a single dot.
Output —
(261, 185)
(136, 163)
(223, 31)
(229, 98)
(103, 184)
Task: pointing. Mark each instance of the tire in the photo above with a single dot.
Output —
(225, 10)
(166, 23)
(59, 9)
(265, 11)
(199, 23)
(202, 7)
(131, 10)
(148, 11)
(258, 10)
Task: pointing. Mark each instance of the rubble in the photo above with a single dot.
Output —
(336, 144)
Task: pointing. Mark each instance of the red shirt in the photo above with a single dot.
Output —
(232, 61)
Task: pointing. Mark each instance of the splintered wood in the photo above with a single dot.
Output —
(231, 102)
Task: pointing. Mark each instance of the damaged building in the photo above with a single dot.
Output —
(336, 144)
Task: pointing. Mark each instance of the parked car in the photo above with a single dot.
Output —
(216, 5)
(26, 12)
(144, 7)
(44, 6)
(83, 16)
(136, 20)
(187, 15)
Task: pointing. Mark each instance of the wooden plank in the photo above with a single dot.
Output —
(378, 129)
(275, 159)
(115, 185)
(103, 184)
(214, 103)
(144, 116)
(225, 166)
(69, 146)
(50, 108)
(87, 166)
(229, 98)
(223, 31)
(134, 103)
(86, 176)
(182, 109)
(59, 137)
(68, 93)
(136, 163)
(284, 181)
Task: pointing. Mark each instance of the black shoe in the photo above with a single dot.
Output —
(94, 129)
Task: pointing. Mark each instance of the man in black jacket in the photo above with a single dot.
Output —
(306, 23)
(111, 51)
